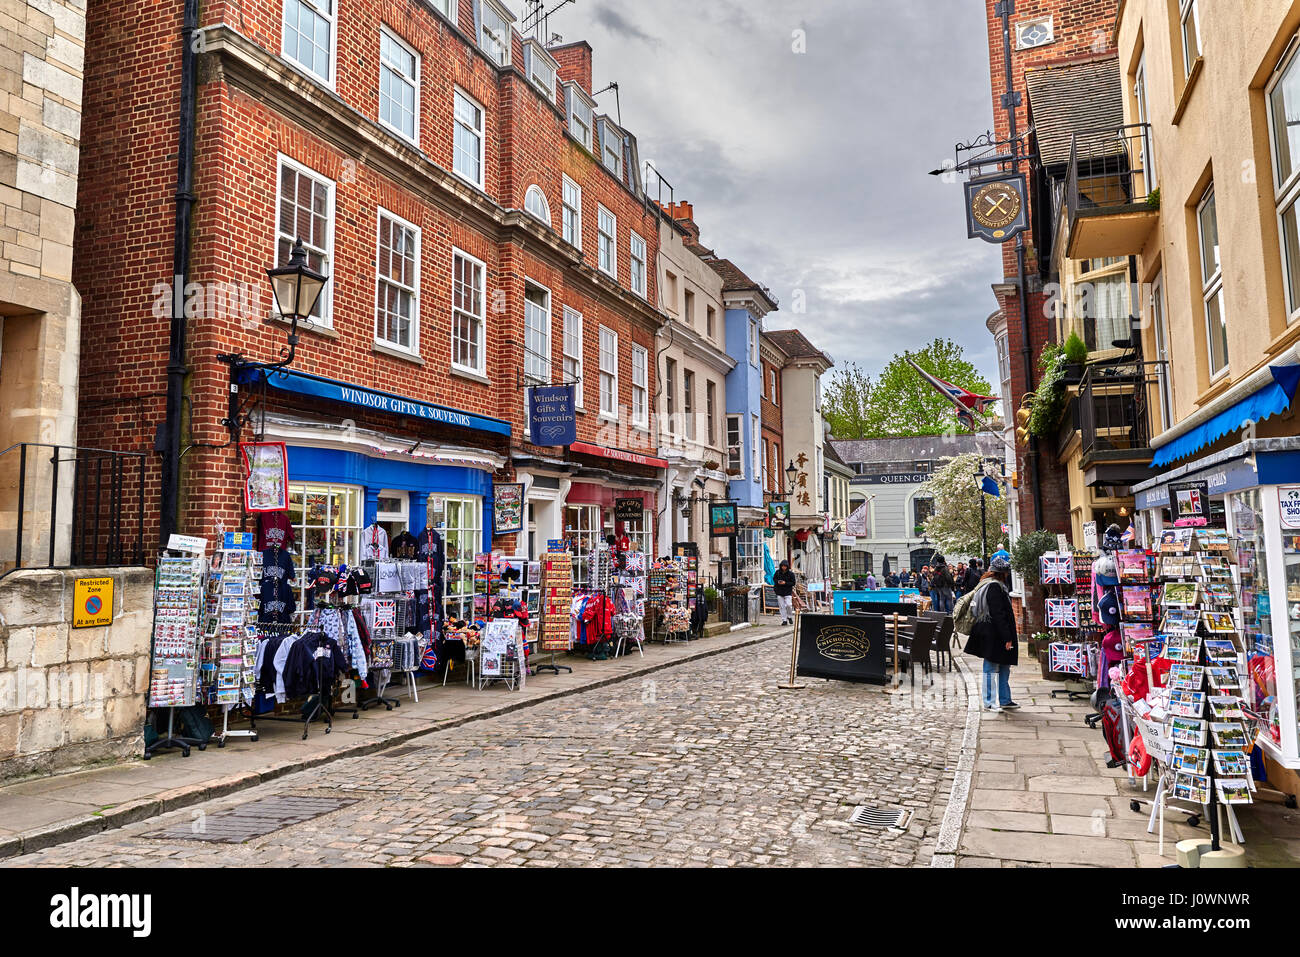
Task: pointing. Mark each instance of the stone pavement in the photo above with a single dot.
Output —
(44, 811)
(702, 763)
(1041, 794)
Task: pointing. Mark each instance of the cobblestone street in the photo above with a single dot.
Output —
(705, 763)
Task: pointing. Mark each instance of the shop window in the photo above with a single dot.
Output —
(583, 530)
(462, 536)
(749, 555)
(327, 522)
(306, 206)
(640, 531)
(397, 313)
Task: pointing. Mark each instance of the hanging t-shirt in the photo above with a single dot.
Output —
(403, 546)
(274, 530)
(374, 544)
(389, 578)
(277, 593)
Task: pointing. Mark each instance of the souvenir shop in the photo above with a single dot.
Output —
(1249, 494)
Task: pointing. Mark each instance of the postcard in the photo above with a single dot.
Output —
(1132, 566)
(1218, 622)
(1188, 731)
(1178, 593)
(1233, 790)
(1220, 649)
(1190, 760)
(1223, 678)
(1226, 707)
(1228, 734)
(1187, 704)
(1135, 634)
(1136, 601)
(1184, 677)
(1181, 621)
(1183, 648)
(1192, 787)
(1231, 763)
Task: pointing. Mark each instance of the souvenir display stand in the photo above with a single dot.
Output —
(227, 674)
(380, 615)
(667, 598)
(555, 606)
(1069, 656)
(179, 586)
(630, 601)
(501, 655)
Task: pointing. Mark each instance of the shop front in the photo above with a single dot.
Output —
(1252, 490)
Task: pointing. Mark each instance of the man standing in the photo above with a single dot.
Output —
(783, 585)
(972, 578)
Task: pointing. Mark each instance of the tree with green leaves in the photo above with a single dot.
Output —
(903, 403)
(955, 523)
(846, 403)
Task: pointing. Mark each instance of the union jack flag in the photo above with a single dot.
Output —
(1067, 659)
(1062, 613)
(966, 402)
(1057, 569)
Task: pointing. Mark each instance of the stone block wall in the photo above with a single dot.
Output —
(71, 696)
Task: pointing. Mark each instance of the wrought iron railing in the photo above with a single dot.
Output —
(69, 507)
(1114, 407)
(1110, 169)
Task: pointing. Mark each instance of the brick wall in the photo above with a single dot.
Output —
(125, 240)
(1081, 28)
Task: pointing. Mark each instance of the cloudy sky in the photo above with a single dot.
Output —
(809, 169)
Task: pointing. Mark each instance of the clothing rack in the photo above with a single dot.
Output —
(323, 706)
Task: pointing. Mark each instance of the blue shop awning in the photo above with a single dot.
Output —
(304, 383)
(1273, 398)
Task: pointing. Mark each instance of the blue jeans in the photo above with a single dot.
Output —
(941, 600)
(1002, 674)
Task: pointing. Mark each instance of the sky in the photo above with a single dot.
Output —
(808, 169)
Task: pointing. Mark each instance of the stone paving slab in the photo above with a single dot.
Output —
(41, 812)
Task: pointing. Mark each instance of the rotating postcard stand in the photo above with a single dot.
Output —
(174, 656)
(554, 608)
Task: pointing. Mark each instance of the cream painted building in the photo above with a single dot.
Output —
(690, 405)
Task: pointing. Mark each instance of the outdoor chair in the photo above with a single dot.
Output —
(923, 634)
(943, 639)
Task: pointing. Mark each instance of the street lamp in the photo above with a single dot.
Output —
(791, 474)
(296, 288)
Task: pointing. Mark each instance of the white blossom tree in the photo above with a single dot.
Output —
(955, 523)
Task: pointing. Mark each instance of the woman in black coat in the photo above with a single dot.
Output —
(994, 636)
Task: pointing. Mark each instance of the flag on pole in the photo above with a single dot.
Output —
(1129, 536)
(966, 402)
(991, 486)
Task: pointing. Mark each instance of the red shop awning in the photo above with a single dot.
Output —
(586, 448)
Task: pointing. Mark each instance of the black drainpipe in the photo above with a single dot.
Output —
(169, 506)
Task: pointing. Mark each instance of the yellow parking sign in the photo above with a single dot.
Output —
(92, 602)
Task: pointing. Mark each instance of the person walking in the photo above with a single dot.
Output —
(993, 637)
(941, 588)
(783, 584)
(959, 579)
(972, 578)
(872, 585)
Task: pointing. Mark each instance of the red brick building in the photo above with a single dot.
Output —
(483, 226)
(1043, 32)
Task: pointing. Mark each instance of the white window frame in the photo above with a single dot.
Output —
(670, 396)
(459, 588)
(571, 347)
(640, 386)
(535, 56)
(1286, 185)
(771, 386)
(688, 403)
(1024, 25)
(581, 110)
(347, 535)
(331, 19)
(1189, 10)
(413, 82)
(608, 372)
(1160, 331)
(571, 213)
(537, 361)
(735, 454)
(1148, 151)
(637, 263)
(753, 343)
(1212, 285)
(487, 44)
(326, 300)
(381, 279)
(611, 147)
(481, 133)
(606, 242)
(711, 409)
(536, 204)
(755, 433)
(480, 346)
(448, 8)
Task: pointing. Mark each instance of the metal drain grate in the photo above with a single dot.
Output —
(882, 817)
(252, 820)
(399, 752)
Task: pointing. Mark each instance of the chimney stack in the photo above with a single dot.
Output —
(575, 63)
(684, 214)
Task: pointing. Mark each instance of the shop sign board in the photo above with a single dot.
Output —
(778, 516)
(92, 602)
(842, 647)
(552, 416)
(187, 543)
(628, 509)
(507, 508)
(1289, 501)
(1190, 502)
(723, 520)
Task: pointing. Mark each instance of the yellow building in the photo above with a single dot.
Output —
(1193, 194)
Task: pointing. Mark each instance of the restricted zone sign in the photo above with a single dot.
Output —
(92, 602)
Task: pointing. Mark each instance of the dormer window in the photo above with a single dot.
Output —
(540, 68)
(580, 109)
(611, 147)
(494, 31)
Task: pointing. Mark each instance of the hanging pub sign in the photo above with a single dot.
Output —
(552, 418)
(723, 520)
(996, 210)
(1190, 502)
(266, 476)
(778, 516)
(628, 509)
(507, 509)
